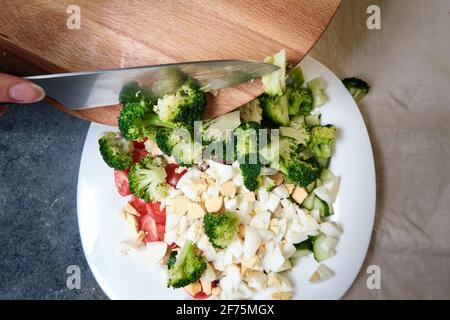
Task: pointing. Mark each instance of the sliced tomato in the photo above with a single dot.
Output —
(150, 228)
(201, 295)
(139, 144)
(172, 246)
(121, 180)
(161, 231)
(139, 154)
(172, 175)
(138, 204)
(154, 209)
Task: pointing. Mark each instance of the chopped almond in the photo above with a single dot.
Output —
(290, 187)
(128, 208)
(282, 295)
(241, 231)
(206, 286)
(195, 210)
(140, 236)
(215, 291)
(278, 178)
(299, 194)
(248, 197)
(315, 276)
(213, 204)
(228, 189)
(178, 205)
(274, 226)
(132, 220)
(193, 288)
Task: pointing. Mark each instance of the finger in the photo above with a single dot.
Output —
(2, 110)
(18, 90)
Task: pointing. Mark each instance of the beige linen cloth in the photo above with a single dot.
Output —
(407, 113)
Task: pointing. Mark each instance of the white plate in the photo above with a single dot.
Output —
(102, 229)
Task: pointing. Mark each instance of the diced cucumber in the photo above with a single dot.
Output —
(297, 77)
(319, 254)
(322, 206)
(305, 247)
(318, 182)
(330, 209)
(298, 119)
(310, 187)
(312, 120)
(318, 92)
(326, 175)
(323, 162)
(308, 203)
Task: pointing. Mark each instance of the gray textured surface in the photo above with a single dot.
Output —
(40, 150)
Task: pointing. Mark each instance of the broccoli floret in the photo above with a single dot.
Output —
(246, 138)
(133, 92)
(318, 92)
(275, 110)
(116, 151)
(300, 101)
(251, 173)
(358, 88)
(284, 156)
(251, 111)
(188, 267)
(178, 143)
(137, 120)
(322, 139)
(184, 106)
(172, 259)
(299, 133)
(220, 228)
(148, 179)
(275, 83)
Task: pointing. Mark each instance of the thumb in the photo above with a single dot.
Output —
(18, 90)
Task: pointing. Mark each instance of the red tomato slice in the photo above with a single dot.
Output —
(172, 176)
(154, 209)
(139, 144)
(139, 154)
(150, 228)
(201, 295)
(161, 231)
(138, 204)
(121, 180)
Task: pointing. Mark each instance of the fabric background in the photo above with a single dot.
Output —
(407, 112)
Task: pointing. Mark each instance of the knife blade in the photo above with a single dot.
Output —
(82, 90)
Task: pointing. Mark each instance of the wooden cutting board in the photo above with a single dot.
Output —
(34, 37)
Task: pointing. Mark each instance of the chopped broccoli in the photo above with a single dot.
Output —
(300, 101)
(133, 92)
(188, 267)
(216, 129)
(116, 151)
(322, 139)
(220, 228)
(172, 259)
(275, 83)
(296, 76)
(251, 111)
(184, 106)
(284, 156)
(318, 92)
(137, 120)
(299, 133)
(251, 174)
(246, 138)
(178, 143)
(148, 179)
(358, 88)
(275, 110)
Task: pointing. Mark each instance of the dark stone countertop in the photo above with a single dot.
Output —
(40, 150)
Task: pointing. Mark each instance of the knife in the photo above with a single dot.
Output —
(83, 90)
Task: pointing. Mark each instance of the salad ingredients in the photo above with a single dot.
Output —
(233, 222)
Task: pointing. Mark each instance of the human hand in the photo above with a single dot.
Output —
(17, 90)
